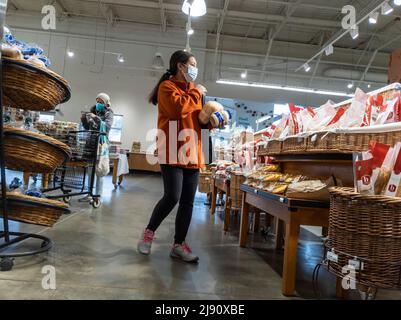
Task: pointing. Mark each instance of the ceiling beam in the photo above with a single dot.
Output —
(218, 33)
(212, 12)
(318, 61)
(288, 12)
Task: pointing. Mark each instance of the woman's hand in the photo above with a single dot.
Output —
(201, 89)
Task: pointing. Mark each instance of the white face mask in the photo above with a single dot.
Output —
(191, 74)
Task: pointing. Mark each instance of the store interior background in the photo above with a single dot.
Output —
(130, 82)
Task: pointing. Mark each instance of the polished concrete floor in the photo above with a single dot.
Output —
(95, 255)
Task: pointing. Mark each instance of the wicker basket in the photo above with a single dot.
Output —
(205, 182)
(32, 152)
(294, 145)
(328, 142)
(235, 192)
(27, 86)
(367, 228)
(44, 212)
(273, 147)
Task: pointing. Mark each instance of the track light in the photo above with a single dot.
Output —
(306, 67)
(350, 85)
(397, 2)
(354, 32)
(244, 74)
(329, 50)
(190, 32)
(120, 58)
(373, 17)
(369, 85)
(386, 8)
(195, 8)
(70, 53)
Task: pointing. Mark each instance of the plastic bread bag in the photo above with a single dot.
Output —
(393, 188)
(388, 113)
(375, 106)
(307, 117)
(382, 164)
(295, 123)
(335, 121)
(363, 170)
(323, 115)
(281, 126)
(354, 115)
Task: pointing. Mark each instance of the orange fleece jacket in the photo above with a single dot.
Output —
(179, 104)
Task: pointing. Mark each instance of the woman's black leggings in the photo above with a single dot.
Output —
(179, 185)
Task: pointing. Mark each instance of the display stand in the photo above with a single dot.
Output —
(10, 239)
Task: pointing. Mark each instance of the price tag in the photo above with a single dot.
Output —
(331, 256)
(357, 264)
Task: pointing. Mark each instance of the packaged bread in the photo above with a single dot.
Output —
(363, 168)
(279, 188)
(208, 109)
(382, 164)
(272, 177)
(393, 188)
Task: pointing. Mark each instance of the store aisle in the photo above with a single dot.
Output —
(95, 255)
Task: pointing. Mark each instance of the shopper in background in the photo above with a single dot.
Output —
(100, 112)
(179, 100)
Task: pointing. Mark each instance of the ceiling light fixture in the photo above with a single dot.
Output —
(70, 53)
(386, 8)
(120, 58)
(397, 2)
(306, 67)
(369, 85)
(354, 32)
(329, 50)
(285, 88)
(350, 85)
(373, 17)
(195, 8)
(244, 74)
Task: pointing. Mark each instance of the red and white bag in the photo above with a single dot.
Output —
(393, 188)
(363, 168)
(354, 115)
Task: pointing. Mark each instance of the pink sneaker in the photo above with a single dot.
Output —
(145, 244)
(183, 252)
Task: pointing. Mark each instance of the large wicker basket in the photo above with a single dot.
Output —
(39, 211)
(273, 147)
(205, 182)
(294, 145)
(33, 152)
(27, 86)
(368, 229)
(328, 142)
(235, 192)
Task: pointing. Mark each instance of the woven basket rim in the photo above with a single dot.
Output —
(33, 201)
(45, 71)
(11, 131)
(350, 192)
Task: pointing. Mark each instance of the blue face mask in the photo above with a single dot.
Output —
(100, 106)
(191, 74)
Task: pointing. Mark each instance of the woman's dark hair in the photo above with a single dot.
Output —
(177, 57)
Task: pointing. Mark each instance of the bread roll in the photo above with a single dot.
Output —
(11, 52)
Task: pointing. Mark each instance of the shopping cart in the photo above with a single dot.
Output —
(77, 176)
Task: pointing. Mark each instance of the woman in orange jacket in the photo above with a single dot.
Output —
(179, 148)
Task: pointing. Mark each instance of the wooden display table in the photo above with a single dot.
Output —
(138, 161)
(293, 212)
(222, 185)
(115, 172)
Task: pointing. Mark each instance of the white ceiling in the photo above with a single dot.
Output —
(297, 28)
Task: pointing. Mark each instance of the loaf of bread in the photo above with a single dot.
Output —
(208, 109)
